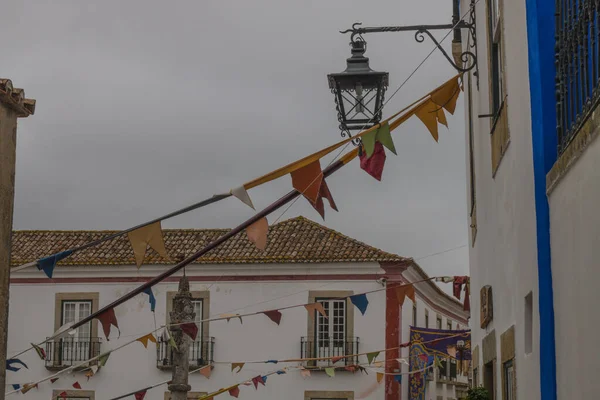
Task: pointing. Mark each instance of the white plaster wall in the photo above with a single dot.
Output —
(32, 319)
(575, 239)
(505, 253)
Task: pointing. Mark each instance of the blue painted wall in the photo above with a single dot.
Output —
(540, 32)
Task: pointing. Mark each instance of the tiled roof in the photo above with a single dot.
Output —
(296, 240)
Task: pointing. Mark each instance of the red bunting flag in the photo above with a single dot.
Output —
(206, 371)
(63, 395)
(336, 359)
(190, 329)
(53, 380)
(140, 395)
(305, 372)
(374, 165)
(324, 193)
(307, 180)
(76, 385)
(311, 308)
(256, 380)
(351, 368)
(274, 315)
(235, 391)
(108, 318)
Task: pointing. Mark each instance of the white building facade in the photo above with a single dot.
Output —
(532, 168)
(304, 262)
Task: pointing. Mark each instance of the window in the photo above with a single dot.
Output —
(449, 325)
(426, 318)
(414, 315)
(443, 370)
(528, 323)
(328, 395)
(509, 380)
(73, 394)
(489, 380)
(331, 336)
(84, 343)
(438, 322)
(453, 369)
(475, 377)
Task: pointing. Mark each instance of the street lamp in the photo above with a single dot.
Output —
(359, 91)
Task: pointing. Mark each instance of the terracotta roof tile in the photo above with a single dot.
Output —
(296, 240)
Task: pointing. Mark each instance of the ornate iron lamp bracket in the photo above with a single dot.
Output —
(468, 58)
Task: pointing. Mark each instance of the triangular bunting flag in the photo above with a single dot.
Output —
(257, 233)
(28, 386)
(307, 180)
(324, 193)
(64, 331)
(149, 235)
(40, 352)
(256, 380)
(428, 115)
(11, 361)
(280, 372)
(144, 339)
(234, 391)
(151, 298)
(76, 385)
(447, 95)
(380, 376)
(360, 301)
(63, 395)
(239, 366)
(330, 372)
(190, 329)
(398, 378)
(16, 386)
(458, 282)
(47, 264)
(140, 395)
(384, 136)
(441, 117)
(274, 315)
(168, 337)
(264, 378)
(103, 359)
(108, 318)
(374, 165)
(229, 316)
(91, 372)
(206, 371)
(304, 372)
(53, 380)
(313, 307)
(242, 195)
(368, 140)
(372, 356)
(336, 359)
(403, 292)
(350, 368)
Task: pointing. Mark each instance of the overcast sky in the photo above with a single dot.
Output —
(144, 107)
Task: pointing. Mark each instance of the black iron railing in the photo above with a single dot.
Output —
(577, 65)
(201, 353)
(68, 351)
(311, 348)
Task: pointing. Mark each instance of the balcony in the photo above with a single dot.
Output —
(311, 348)
(66, 352)
(577, 66)
(201, 353)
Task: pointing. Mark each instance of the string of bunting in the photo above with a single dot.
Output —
(305, 173)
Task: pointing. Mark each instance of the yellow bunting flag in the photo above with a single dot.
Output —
(144, 339)
(27, 387)
(447, 95)
(307, 180)
(330, 372)
(206, 371)
(229, 316)
(241, 194)
(380, 376)
(304, 372)
(150, 235)
(237, 365)
(428, 114)
(257, 233)
(313, 307)
(405, 291)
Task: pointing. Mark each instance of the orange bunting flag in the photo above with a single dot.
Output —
(380, 376)
(307, 180)
(324, 193)
(108, 318)
(229, 316)
(405, 291)
(447, 95)
(206, 371)
(234, 391)
(313, 307)
(274, 315)
(149, 235)
(237, 365)
(76, 385)
(145, 339)
(257, 233)
(305, 372)
(336, 359)
(91, 372)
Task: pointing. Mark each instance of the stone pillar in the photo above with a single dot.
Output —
(183, 311)
(13, 105)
